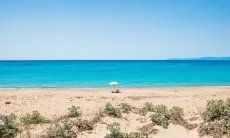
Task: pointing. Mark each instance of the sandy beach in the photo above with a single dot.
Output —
(54, 102)
(114, 69)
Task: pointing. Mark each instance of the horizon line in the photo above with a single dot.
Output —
(175, 58)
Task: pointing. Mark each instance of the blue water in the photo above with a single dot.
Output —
(100, 73)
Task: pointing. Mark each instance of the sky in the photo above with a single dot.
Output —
(113, 29)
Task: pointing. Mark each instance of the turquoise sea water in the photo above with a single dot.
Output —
(100, 73)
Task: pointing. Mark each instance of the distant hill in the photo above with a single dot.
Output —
(203, 58)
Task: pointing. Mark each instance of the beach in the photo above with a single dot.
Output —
(114, 69)
(54, 102)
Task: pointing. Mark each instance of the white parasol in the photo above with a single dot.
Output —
(113, 83)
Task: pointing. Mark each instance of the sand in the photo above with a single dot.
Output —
(54, 102)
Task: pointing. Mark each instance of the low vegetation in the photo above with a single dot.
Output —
(136, 135)
(67, 128)
(216, 121)
(149, 107)
(34, 118)
(8, 127)
(115, 132)
(216, 118)
(176, 117)
(207, 128)
(74, 111)
(62, 129)
(125, 107)
(160, 116)
(176, 113)
(84, 125)
(110, 110)
(215, 110)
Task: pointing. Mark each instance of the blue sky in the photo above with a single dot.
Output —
(114, 29)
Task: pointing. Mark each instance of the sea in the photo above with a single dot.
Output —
(99, 73)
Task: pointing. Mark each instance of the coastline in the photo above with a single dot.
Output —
(131, 87)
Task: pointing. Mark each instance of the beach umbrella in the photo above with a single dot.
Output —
(113, 83)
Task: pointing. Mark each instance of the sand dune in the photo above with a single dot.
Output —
(54, 102)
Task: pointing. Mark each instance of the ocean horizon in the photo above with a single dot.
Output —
(98, 73)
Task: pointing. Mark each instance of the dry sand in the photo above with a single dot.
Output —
(54, 102)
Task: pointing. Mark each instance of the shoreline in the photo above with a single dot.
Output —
(131, 87)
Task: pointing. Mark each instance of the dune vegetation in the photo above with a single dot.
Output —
(215, 121)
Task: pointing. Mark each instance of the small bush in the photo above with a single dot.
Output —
(160, 116)
(149, 107)
(126, 107)
(227, 108)
(176, 113)
(226, 126)
(211, 128)
(110, 110)
(8, 127)
(74, 111)
(136, 135)
(214, 111)
(176, 117)
(206, 129)
(34, 118)
(161, 109)
(160, 119)
(114, 131)
(63, 129)
(216, 118)
(83, 125)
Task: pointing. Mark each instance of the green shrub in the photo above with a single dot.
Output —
(126, 107)
(160, 116)
(149, 107)
(176, 113)
(136, 135)
(212, 128)
(216, 118)
(206, 128)
(215, 110)
(161, 109)
(115, 131)
(83, 125)
(63, 129)
(163, 117)
(8, 127)
(226, 119)
(176, 117)
(74, 111)
(110, 110)
(227, 107)
(160, 119)
(226, 126)
(34, 118)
